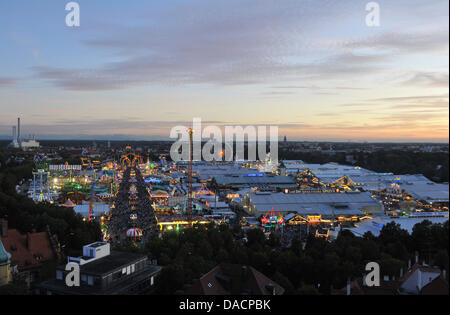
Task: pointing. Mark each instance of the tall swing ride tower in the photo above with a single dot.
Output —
(191, 157)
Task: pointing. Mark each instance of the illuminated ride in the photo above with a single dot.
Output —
(169, 223)
(204, 191)
(153, 180)
(135, 234)
(131, 160)
(150, 165)
(133, 189)
(272, 220)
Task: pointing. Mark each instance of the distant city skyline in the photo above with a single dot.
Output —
(135, 69)
(137, 138)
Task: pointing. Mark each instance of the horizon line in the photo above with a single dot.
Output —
(282, 141)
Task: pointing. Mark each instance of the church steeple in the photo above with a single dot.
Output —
(5, 262)
(5, 257)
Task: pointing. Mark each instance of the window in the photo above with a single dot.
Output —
(133, 268)
(108, 278)
(117, 275)
(91, 280)
(59, 275)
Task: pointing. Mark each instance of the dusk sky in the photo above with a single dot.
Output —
(312, 67)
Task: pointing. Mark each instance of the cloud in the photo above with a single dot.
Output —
(414, 118)
(219, 44)
(317, 88)
(267, 47)
(410, 104)
(236, 43)
(277, 93)
(427, 79)
(7, 81)
(150, 70)
(404, 43)
(386, 128)
(418, 98)
(434, 104)
(130, 126)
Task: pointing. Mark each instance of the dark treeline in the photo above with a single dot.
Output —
(103, 143)
(432, 165)
(26, 216)
(191, 253)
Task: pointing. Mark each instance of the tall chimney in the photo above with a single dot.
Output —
(18, 129)
(14, 135)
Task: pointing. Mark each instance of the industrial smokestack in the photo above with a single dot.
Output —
(18, 129)
(14, 135)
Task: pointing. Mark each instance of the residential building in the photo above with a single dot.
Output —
(419, 280)
(231, 279)
(29, 251)
(104, 272)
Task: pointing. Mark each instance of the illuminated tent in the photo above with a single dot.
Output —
(134, 233)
